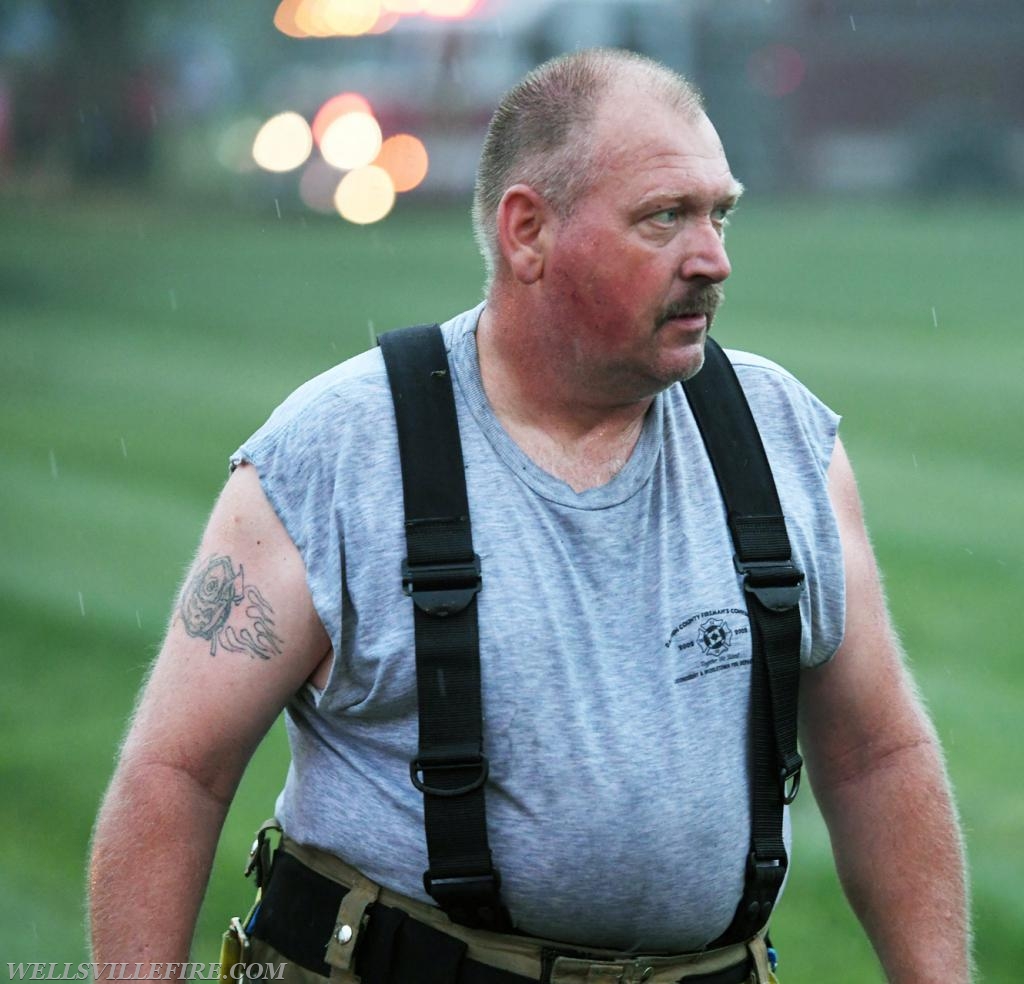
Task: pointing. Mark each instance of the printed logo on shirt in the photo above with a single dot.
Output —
(710, 642)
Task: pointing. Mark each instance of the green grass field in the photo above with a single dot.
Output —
(140, 344)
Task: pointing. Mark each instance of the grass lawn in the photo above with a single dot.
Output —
(140, 344)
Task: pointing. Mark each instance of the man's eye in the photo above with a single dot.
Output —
(667, 216)
(720, 215)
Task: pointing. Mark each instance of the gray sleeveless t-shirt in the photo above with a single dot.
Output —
(614, 647)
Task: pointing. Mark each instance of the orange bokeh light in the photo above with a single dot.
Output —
(404, 157)
(348, 17)
(333, 18)
(336, 107)
(309, 18)
(284, 19)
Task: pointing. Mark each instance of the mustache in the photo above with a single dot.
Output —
(701, 300)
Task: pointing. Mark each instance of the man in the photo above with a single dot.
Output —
(617, 809)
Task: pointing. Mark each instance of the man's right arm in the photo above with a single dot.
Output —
(244, 637)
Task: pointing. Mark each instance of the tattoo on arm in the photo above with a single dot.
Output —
(213, 594)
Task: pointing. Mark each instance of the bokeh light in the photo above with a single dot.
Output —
(310, 20)
(283, 143)
(284, 18)
(404, 157)
(365, 195)
(347, 18)
(351, 141)
(335, 107)
(327, 18)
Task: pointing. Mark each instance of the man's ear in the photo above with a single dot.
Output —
(524, 229)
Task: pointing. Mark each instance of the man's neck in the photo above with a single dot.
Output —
(558, 422)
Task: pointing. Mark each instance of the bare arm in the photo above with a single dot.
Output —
(243, 639)
(879, 778)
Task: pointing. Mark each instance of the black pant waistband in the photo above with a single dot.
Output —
(297, 914)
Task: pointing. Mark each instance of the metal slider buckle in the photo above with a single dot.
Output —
(792, 769)
(776, 584)
(421, 764)
(442, 589)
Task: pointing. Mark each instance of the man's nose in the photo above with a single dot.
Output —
(704, 253)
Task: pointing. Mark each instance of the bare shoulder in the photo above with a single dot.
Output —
(245, 558)
(862, 704)
(243, 638)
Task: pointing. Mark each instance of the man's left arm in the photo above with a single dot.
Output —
(878, 776)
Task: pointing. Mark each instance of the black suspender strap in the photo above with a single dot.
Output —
(773, 586)
(442, 575)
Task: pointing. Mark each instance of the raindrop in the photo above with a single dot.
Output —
(371, 330)
(173, 294)
(853, 23)
(138, 618)
(913, 457)
(53, 464)
(935, 318)
(81, 603)
(277, 207)
(124, 448)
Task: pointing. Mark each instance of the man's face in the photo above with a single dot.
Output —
(633, 274)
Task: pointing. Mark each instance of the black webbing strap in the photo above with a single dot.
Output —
(442, 575)
(773, 586)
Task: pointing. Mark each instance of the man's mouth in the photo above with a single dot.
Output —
(697, 309)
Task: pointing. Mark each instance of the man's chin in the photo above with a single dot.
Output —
(684, 358)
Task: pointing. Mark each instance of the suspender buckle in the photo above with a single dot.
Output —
(471, 900)
(442, 589)
(453, 763)
(790, 772)
(764, 881)
(776, 584)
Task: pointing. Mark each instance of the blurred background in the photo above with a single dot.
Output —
(202, 205)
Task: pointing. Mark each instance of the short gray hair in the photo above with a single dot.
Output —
(540, 133)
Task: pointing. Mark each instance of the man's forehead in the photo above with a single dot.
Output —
(643, 135)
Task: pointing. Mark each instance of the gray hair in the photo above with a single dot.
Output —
(540, 133)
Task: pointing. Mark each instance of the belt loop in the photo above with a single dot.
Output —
(762, 968)
(341, 948)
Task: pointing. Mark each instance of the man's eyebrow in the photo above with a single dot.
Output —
(731, 200)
